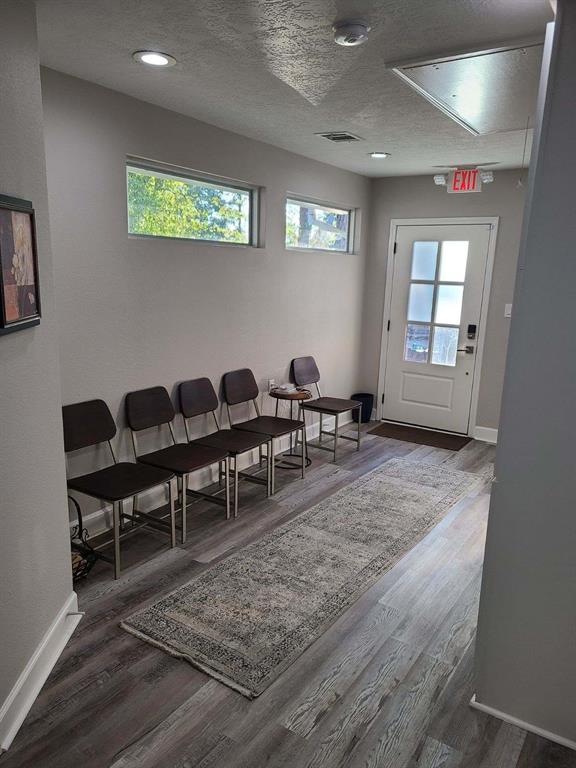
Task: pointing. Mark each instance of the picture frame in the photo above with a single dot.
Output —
(19, 283)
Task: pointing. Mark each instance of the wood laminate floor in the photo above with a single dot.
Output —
(387, 685)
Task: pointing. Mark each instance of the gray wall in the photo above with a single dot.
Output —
(418, 197)
(526, 651)
(136, 312)
(34, 552)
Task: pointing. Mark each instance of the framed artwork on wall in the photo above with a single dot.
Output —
(19, 286)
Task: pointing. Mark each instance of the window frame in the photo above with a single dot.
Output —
(352, 218)
(184, 174)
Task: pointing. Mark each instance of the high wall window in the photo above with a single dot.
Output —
(162, 204)
(310, 225)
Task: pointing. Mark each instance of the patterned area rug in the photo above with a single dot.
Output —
(248, 618)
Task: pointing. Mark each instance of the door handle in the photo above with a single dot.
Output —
(469, 349)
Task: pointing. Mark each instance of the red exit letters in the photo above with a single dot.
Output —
(464, 180)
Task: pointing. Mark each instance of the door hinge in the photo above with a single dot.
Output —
(382, 398)
(395, 247)
(388, 326)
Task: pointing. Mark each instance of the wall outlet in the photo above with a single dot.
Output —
(271, 384)
(507, 310)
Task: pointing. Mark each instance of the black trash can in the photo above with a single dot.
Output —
(367, 401)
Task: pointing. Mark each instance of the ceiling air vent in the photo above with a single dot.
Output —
(339, 137)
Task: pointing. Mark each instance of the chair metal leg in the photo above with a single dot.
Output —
(220, 474)
(335, 436)
(227, 487)
(272, 461)
(236, 482)
(260, 456)
(184, 494)
(116, 507)
(303, 452)
(320, 433)
(359, 415)
(123, 517)
(173, 510)
(268, 471)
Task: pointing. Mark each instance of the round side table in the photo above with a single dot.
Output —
(296, 396)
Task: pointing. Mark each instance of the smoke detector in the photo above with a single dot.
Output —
(351, 32)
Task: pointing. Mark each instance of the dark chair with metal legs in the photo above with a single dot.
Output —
(89, 424)
(304, 373)
(240, 387)
(153, 408)
(197, 397)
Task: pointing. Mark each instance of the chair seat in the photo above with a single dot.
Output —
(120, 481)
(273, 426)
(331, 405)
(184, 457)
(232, 440)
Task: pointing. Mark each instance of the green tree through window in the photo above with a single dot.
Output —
(168, 206)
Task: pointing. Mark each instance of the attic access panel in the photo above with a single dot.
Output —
(486, 91)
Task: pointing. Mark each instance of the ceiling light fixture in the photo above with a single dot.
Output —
(350, 32)
(379, 155)
(154, 58)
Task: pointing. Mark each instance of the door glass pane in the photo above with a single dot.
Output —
(449, 304)
(453, 261)
(417, 343)
(424, 260)
(444, 346)
(420, 302)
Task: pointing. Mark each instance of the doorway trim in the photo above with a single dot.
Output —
(493, 221)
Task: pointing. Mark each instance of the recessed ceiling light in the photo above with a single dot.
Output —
(154, 58)
(379, 155)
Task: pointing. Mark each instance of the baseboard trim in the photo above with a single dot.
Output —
(20, 699)
(522, 724)
(100, 521)
(486, 434)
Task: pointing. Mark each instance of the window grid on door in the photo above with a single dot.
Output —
(435, 295)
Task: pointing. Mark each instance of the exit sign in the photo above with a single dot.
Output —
(464, 180)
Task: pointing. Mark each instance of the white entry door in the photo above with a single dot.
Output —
(434, 317)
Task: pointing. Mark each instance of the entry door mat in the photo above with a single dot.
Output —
(421, 436)
(247, 619)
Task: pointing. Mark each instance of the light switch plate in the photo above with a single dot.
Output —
(507, 310)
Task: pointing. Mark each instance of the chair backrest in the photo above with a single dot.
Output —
(197, 396)
(240, 386)
(305, 371)
(86, 424)
(149, 408)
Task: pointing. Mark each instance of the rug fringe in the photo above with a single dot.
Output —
(197, 664)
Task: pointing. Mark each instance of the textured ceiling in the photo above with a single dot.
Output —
(269, 69)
